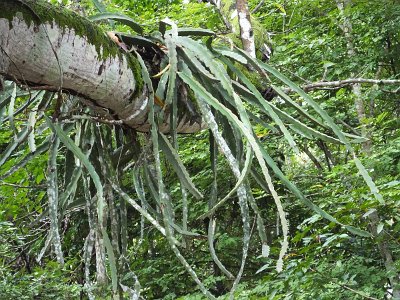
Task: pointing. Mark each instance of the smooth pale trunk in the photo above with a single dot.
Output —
(53, 57)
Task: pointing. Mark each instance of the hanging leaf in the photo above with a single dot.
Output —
(27, 158)
(52, 193)
(176, 163)
(69, 143)
(325, 117)
(240, 181)
(264, 103)
(18, 139)
(139, 41)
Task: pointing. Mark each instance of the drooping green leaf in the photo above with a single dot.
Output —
(203, 93)
(243, 176)
(52, 193)
(69, 143)
(17, 140)
(264, 103)
(11, 109)
(27, 158)
(134, 40)
(112, 261)
(176, 163)
(325, 117)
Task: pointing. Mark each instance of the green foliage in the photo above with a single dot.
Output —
(45, 282)
(48, 281)
(150, 13)
(330, 279)
(324, 261)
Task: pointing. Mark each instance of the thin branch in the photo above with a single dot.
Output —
(23, 186)
(334, 85)
(65, 119)
(346, 82)
(257, 7)
(344, 286)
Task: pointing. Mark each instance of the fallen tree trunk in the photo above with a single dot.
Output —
(52, 48)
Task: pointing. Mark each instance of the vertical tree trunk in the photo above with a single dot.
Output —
(374, 218)
(236, 17)
(347, 28)
(246, 30)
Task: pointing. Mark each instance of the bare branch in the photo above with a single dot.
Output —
(257, 7)
(346, 82)
(334, 85)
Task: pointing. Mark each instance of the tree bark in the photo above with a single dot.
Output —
(236, 17)
(246, 30)
(52, 48)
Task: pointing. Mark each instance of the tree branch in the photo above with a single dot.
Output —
(334, 85)
(341, 83)
(261, 3)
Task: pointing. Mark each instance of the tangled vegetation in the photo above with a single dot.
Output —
(284, 194)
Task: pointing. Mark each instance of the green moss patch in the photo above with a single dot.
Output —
(134, 65)
(39, 12)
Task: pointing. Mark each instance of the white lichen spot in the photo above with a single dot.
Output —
(246, 33)
(265, 250)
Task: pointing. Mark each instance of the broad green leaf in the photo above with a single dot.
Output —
(230, 54)
(99, 5)
(190, 58)
(134, 40)
(264, 103)
(293, 104)
(195, 32)
(204, 55)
